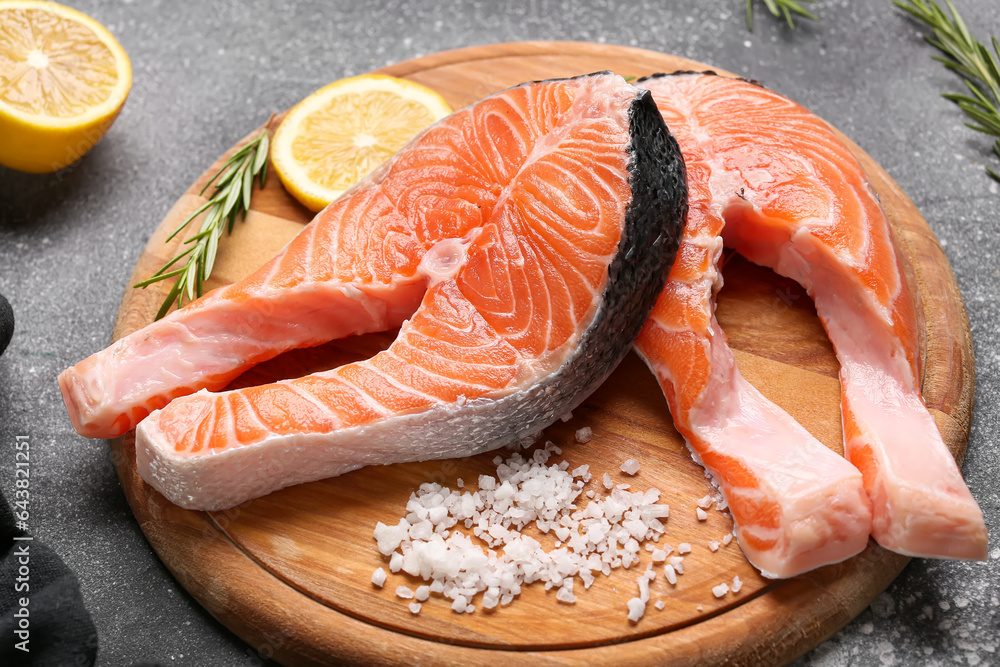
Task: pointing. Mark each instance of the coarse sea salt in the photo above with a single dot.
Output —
(441, 539)
(636, 609)
(630, 467)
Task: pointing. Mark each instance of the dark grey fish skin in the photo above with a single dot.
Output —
(654, 225)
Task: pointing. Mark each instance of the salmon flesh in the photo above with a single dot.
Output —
(781, 189)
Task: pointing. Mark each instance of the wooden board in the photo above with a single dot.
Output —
(290, 572)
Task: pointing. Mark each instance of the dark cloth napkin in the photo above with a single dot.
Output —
(59, 630)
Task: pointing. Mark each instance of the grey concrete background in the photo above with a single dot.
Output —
(208, 72)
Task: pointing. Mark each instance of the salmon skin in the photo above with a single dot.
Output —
(518, 243)
(786, 193)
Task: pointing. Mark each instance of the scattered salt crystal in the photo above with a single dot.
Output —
(699, 608)
(608, 484)
(565, 593)
(378, 577)
(460, 483)
(670, 574)
(720, 590)
(713, 545)
(623, 487)
(683, 548)
(437, 514)
(459, 605)
(636, 609)
(630, 467)
(404, 592)
(566, 417)
(396, 562)
(415, 607)
(660, 604)
(390, 537)
(423, 592)
(727, 538)
(701, 514)
(705, 502)
(584, 434)
(643, 583)
(590, 494)
(659, 555)
(737, 584)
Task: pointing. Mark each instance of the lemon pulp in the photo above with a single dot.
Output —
(342, 132)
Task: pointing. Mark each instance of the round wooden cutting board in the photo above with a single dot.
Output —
(290, 572)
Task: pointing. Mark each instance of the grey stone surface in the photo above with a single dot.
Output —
(208, 72)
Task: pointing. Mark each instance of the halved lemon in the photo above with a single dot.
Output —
(339, 134)
(63, 80)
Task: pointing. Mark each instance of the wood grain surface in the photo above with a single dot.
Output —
(290, 572)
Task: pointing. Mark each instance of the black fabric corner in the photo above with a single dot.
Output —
(60, 631)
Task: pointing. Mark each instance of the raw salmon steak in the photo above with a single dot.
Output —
(786, 193)
(519, 245)
(796, 504)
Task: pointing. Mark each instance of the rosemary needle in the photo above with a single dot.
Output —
(231, 199)
(781, 8)
(964, 54)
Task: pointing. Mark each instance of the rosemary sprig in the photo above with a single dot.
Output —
(781, 8)
(231, 199)
(965, 55)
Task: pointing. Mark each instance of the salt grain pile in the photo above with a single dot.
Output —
(604, 535)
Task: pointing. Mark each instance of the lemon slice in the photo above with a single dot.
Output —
(339, 134)
(63, 80)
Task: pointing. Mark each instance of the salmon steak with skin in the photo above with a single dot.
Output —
(510, 242)
(782, 190)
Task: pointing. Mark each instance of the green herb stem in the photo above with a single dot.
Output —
(778, 8)
(230, 200)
